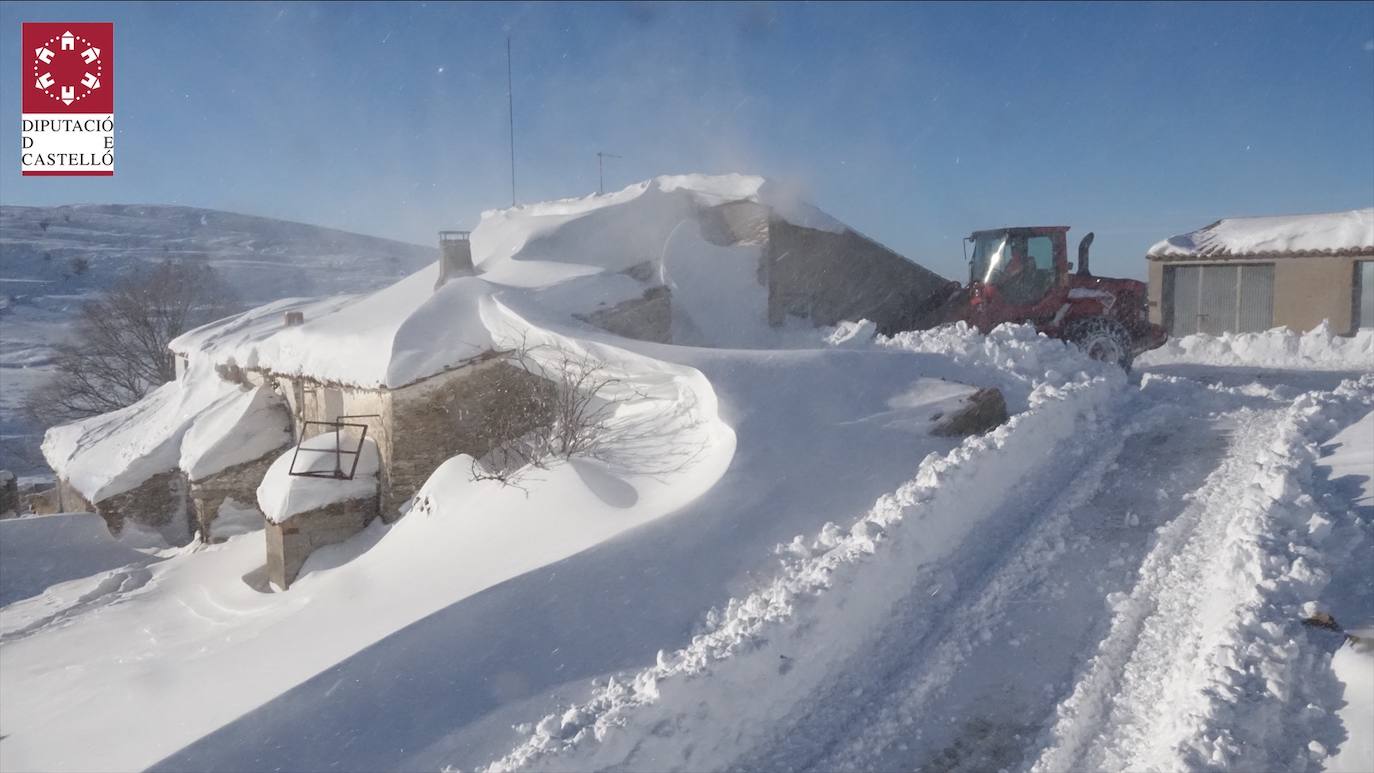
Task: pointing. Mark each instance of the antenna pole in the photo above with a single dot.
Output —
(510, 104)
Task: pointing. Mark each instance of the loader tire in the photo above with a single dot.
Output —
(1103, 339)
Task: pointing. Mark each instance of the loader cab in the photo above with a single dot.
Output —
(1023, 264)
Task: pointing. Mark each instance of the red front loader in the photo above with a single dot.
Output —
(1023, 275)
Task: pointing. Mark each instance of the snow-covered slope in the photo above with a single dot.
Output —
(42, 283)
(1328, 232)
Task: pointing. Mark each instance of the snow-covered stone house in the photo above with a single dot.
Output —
(322, 415)
(1248, 274)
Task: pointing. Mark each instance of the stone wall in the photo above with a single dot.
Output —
(290, 543)
(735, 223)
(828, 277)
(45, 502)
(239, 483)
(467, 411)
(161, 503)
(9, 494)
(647, 318)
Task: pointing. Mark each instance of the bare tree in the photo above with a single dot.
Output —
(117, 349)
(586, 408)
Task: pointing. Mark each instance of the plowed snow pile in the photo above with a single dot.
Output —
(1317, 349)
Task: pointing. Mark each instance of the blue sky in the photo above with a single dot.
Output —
(912, 123)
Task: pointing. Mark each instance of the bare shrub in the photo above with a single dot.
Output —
(117, 349)
(588, 409)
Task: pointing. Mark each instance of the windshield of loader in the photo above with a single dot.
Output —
(990, 256)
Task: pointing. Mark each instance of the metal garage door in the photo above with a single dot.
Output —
(1220, 298)
(1364, 282)
(1255, 309)
(1180, 286)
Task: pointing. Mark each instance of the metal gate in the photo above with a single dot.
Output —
(1219, 298)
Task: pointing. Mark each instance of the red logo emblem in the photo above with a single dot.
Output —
(70, 67)
(67, 79)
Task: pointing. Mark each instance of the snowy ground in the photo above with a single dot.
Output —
(1130, 601)
(1113, 580)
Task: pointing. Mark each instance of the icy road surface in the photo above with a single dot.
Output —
(1134, 605)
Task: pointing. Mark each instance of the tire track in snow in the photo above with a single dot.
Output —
(1206, 665)
(982, 642)
(1143, 679)
(972, 697)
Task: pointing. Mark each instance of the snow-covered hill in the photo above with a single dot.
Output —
(54, 258)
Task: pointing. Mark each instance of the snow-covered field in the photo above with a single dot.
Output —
(1114, 579)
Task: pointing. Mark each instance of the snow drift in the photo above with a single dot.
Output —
(115, 452)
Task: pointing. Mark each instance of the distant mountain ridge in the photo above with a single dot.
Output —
(260, 256)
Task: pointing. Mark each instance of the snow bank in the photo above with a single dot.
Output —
(1317, 349)
(1322, 233)
(849, 335)
(239, 429)
(1349, 467)
(41, 551)
(1353, 665)
(1014, 358)
(282, 495)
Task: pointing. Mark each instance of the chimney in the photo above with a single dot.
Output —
(294, 318)
(455, 256)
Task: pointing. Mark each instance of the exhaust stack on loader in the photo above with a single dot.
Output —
(1023, 275)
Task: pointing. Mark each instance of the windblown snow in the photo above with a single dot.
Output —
(793, 573)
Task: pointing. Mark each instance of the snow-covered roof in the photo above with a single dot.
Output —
(200, 421)
(410, 330)
(1330, 233)
(232, 432)
(390, 338)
